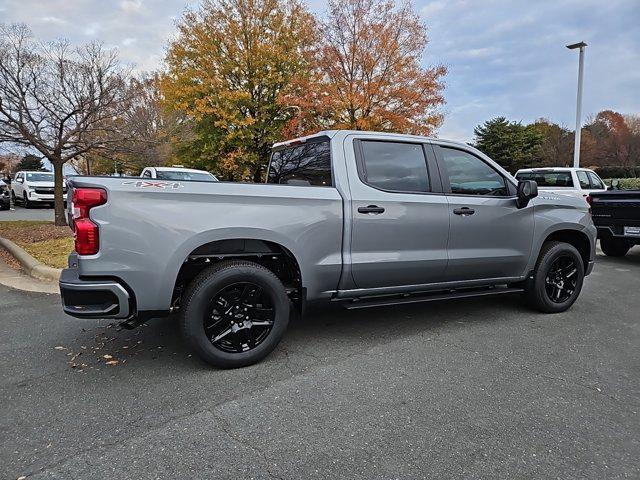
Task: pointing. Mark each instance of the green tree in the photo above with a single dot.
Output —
(229, 72)
(30, 162)
(510, 144)
(556, 148)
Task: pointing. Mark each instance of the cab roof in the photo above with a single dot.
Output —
(331, 133)
(179, 169)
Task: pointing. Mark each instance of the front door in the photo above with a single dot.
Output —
(490, 237)
(400, 217)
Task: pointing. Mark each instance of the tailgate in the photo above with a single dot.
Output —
(616, 208)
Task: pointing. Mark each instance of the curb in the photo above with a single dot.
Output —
(30, 265)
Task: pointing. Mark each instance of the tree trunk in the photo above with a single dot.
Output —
(60, 217)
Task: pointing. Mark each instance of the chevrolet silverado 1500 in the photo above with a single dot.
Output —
(356, 218)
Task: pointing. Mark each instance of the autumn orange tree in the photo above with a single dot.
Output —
(368, 73)
(609, 140)
(231, 71)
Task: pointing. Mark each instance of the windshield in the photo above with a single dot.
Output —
(40, 177)
(184, 175)
(548, 179)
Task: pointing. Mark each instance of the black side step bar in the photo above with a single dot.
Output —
(352, 304)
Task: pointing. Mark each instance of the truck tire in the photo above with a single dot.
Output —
(234, 313)
(557, 278)
(614, 247)
(25, 201)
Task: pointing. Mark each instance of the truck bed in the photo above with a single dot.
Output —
(149, 227)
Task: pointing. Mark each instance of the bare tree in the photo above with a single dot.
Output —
(58, 100)
(145, 129)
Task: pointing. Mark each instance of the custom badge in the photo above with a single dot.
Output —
(153, 184)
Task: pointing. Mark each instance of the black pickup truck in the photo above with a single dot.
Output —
(616, 214)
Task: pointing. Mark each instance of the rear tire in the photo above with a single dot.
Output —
(213, 305)
(614, 247)
(557, 278)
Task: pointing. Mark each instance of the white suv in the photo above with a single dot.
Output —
(177, 173)
(31, 187)
(577, 182)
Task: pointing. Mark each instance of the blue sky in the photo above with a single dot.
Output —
(504, 57)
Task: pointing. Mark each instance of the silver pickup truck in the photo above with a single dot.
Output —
(360, 219)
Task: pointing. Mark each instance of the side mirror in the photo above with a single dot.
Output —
(527, 189)
(20, 180)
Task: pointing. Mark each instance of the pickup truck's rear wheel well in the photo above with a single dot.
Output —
(575, 238)
(270, 255)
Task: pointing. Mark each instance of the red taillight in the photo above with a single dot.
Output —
(86, 233)
(589, 200)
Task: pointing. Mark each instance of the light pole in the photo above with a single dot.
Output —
(576, 147)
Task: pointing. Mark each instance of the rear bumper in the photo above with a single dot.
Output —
(94, 298)
(615, 231)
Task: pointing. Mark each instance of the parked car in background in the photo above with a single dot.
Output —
(5, 198)
(577, 182)
(616, 214)
(359, 219)
(31, 187)
(178, 173)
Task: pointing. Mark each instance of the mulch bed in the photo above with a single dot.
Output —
(8, 259)
(32, 232)
(25, 233)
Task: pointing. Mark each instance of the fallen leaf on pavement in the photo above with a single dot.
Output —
(112, 362)
(59, 348)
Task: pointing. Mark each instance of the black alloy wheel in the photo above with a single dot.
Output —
(557, 278)
(561, 279)
(240, 318)
(234, 313)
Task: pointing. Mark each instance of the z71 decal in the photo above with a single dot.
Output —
(153, 184)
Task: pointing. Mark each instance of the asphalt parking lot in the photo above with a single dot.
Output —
(480, 388)
(18, 212)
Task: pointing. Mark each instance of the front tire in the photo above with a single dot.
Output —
(614, 247)
(234, 313)
(25, 201)
(557, 279)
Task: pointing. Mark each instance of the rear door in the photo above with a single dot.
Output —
(583, 182)
(400, 223)
(489, 236)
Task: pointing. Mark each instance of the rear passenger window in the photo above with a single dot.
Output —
(307, 164)
(583, 179)
(395, 166)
